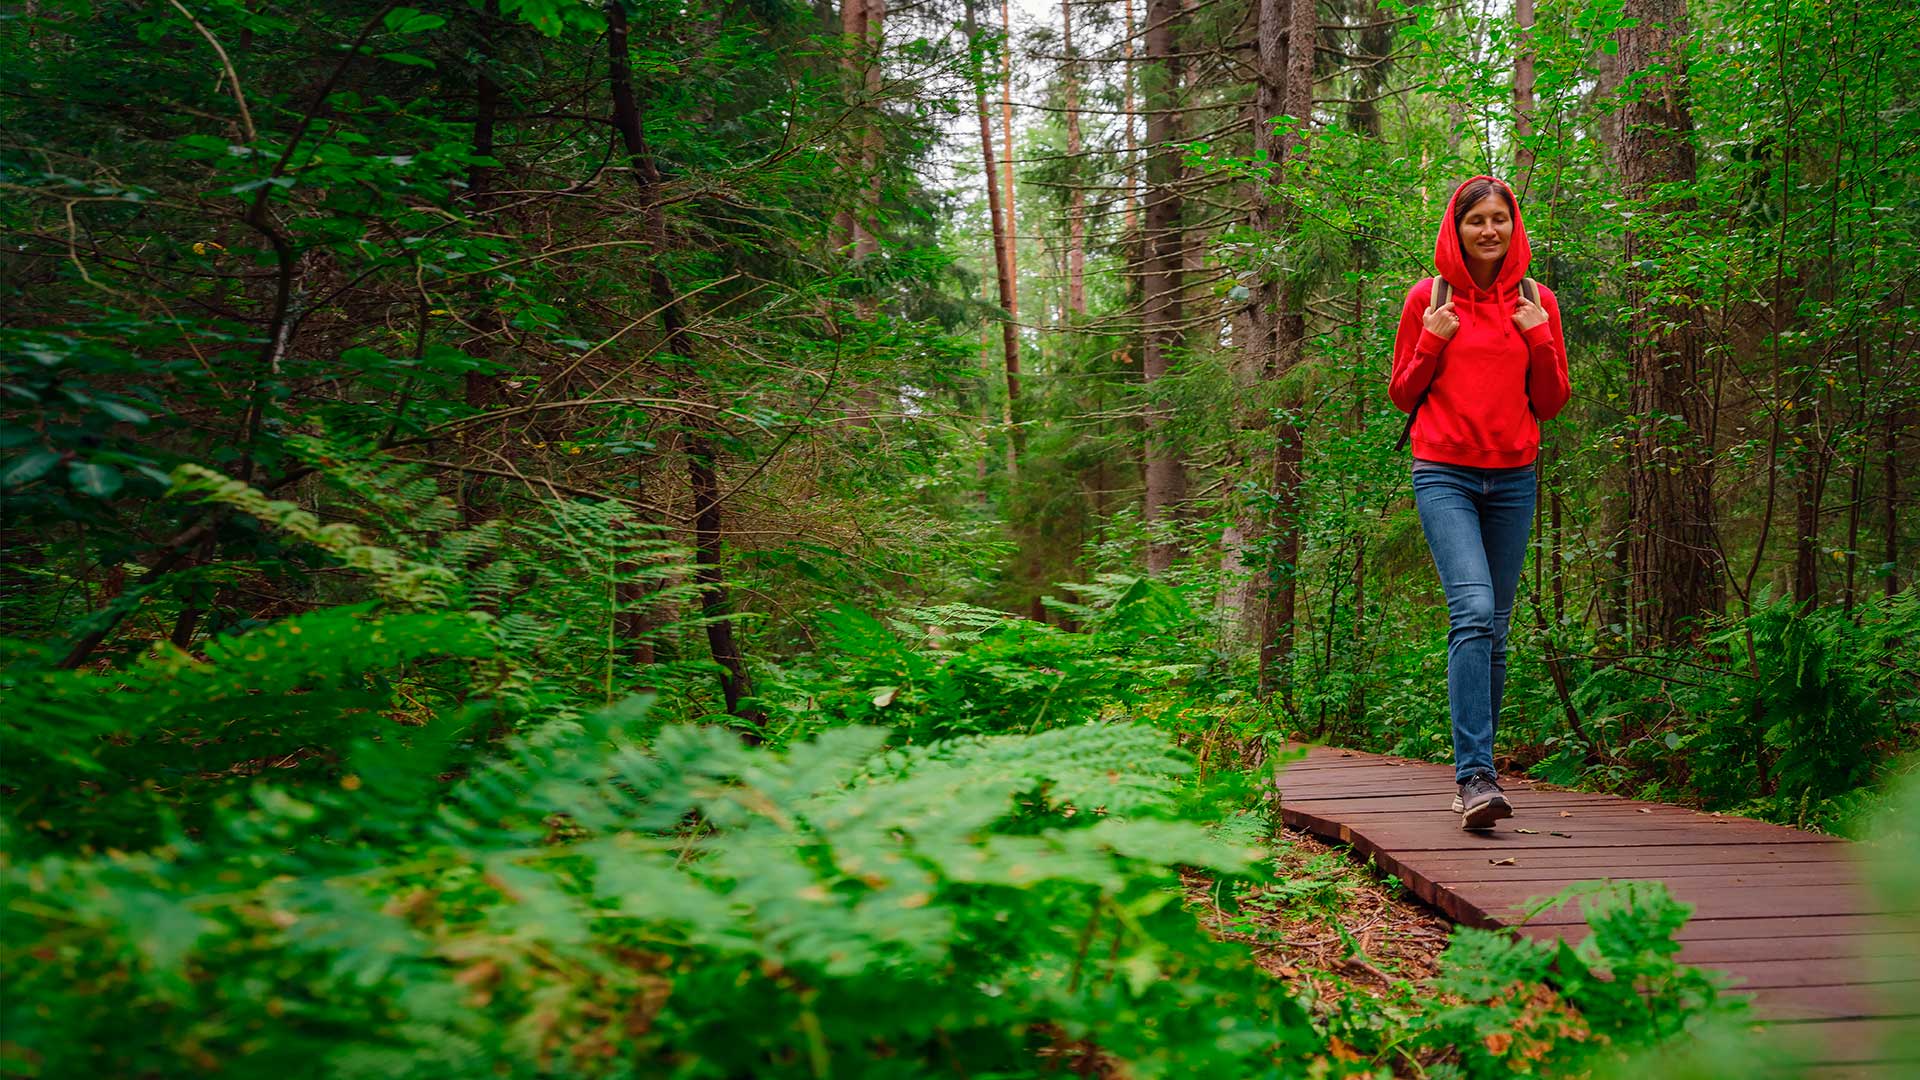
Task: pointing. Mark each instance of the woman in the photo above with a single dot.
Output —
(1476, 372)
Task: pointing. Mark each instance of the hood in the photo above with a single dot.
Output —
(1452, 264)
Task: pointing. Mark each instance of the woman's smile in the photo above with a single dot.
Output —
(1486, 230)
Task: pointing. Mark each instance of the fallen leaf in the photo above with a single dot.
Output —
(1286, 971)
(1341, 1050)
(1498, 1041)
(1529, 832)
(1566, 813)
(1644, 810)
(1504, 862)
(1567, 835)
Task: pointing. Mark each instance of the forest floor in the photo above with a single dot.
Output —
(1332, 922)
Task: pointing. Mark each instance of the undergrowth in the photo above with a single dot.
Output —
(406, 833)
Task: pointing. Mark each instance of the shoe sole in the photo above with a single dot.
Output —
(1484, 815)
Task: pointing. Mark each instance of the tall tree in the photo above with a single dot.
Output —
(630, 127)
(1523, 156)
(1285, 36)
(861, 23)
(1162, 274)
(999, 225)
(1010, 222)
(1077, 195)
(1676, 576)
(1131, 182)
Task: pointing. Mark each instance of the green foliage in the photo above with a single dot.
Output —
(1801, 733)
(1618, 990)
(583, 905)
(355, 380)
(959, 670)
(122, 759)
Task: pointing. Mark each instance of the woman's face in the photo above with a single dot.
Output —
(1487, 230)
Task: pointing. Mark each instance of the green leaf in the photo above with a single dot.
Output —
(124, 413)
(27, 468)
(99, 481)
(407, 58)
(406, 20)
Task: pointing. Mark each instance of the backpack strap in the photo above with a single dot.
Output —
(1442, 292)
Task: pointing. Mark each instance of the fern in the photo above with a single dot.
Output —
(892, 911)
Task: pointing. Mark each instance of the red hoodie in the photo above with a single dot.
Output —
(1487, 383)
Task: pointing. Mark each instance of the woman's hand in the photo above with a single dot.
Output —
(1443, 322)
(1527, 314)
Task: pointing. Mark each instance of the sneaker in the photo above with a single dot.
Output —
(1481, 802)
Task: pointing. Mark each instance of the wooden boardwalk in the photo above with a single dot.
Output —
(1782, 911)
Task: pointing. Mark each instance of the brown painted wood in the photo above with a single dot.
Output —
(1780, 911)
(1829, 971)
(1889, 955)
(1745, 873)
(1675, 857)
(1857, 1041)
(1746, 902)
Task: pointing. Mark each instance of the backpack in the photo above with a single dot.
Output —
(1441, 293)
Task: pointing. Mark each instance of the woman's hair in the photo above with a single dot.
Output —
(1477, 190)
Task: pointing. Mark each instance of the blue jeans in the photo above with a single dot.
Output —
(1476, 521)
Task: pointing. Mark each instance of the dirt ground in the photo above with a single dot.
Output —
(1329, 913)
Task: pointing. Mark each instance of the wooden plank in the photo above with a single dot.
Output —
(1553, 879)
(1669, 858)
(1409, 838)
(1829, 971)
(1507, 901)
(1793, 1005)
(1707, 927)
(1546, 821)
(1727, 902)
(1442, 821)
(1823, 1013)
(1442, 802)
(1887, 954)
(1313, 763)
(1546, 806)
(1882, 1071)
(1385, 796)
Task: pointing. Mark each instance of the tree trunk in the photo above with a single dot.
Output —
(1130, 218)
(1676, 575)
(1890, 473)
(1077, 196)
(735, 685)
(627, 121)
(1006, 161)
(1285, 36)
(860, 25)
(481, 389)
(1002, 242)
(1162, 280)
(1523, 97)
(1809, 489)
